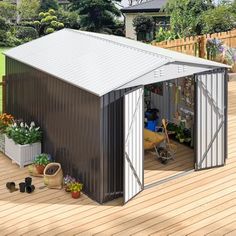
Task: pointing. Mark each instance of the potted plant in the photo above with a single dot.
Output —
(41, 161)
(67, 181)
(5, 121)
(23, 142)
(75, 189)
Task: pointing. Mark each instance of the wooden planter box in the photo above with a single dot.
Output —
(21, 154)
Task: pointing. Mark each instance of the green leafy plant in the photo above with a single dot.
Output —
(163, 35)
(75, 187)
(23, 133)
(180, 131)
(42, 159)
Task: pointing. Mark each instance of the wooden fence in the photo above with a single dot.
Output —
(196, 46)
(3, 97)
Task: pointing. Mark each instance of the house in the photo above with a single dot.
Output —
(149, 8)
(89, 97)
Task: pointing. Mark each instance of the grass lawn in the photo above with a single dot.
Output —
(2, 72)
(2, 63)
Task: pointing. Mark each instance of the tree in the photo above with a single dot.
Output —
(69, 19)
(3, 31)
(28, 9)
(49, 4)
(48, 23)
(143, 26)
(96, 15)
(186, 15)
(7, 11)
(218, 19)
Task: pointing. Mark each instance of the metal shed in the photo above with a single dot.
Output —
(86, 92)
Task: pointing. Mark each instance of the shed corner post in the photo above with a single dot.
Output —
(195, 121)
(101, 194)
(226, 112)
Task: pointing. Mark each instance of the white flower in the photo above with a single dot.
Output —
(21, 124)
(32, 124)
(37, 128)
(15, 125)
(26, 126)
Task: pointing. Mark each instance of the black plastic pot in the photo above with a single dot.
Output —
(22, 187)
(10, 185)
(30, 188)
(28, 181)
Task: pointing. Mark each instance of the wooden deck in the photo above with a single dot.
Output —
(155, 171)
(201, 203)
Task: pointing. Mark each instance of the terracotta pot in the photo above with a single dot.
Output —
(75, 195)
(40, 169)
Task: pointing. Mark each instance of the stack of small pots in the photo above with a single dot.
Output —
(27, 185)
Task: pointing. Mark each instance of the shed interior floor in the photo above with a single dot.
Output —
(155, 171)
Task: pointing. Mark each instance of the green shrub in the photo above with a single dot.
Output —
(60, 25)
(3, 24)
(54, 23)
(41, 14)
(11, 40)
(52, 12)
(22, 32)
(49, 30)
(3, 36)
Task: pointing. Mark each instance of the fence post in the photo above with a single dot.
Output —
(202, 46)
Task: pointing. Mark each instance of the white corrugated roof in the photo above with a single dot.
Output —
(95, 62)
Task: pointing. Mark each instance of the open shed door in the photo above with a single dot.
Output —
(211, 119)
(133, 143)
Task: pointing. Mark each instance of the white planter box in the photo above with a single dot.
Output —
(21, 154)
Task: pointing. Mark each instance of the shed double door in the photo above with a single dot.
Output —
(133, 143)
(211, 119)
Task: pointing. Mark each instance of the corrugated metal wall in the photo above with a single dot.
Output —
(211, 123)
(112, 143)
(69, 117)
(162, 102)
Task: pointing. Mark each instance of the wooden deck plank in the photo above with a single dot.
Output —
(216, 227)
